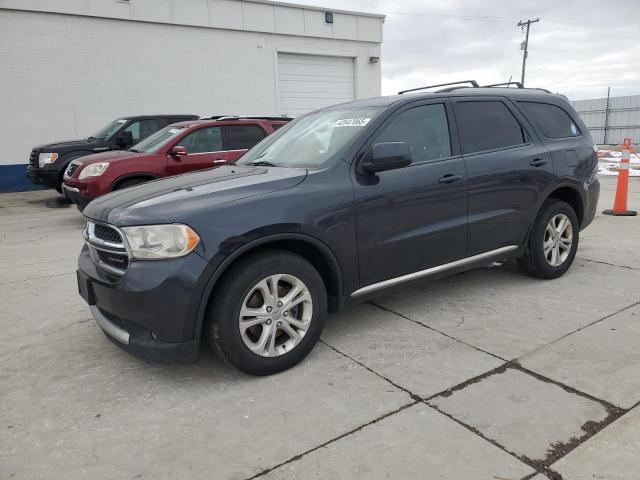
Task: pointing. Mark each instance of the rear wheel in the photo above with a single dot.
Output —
(268, 312)
(553, 241)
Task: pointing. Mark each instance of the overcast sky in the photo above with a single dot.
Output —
(578, 48)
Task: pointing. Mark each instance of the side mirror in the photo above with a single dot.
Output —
(124, 139)
(387, 156)
(178, 151)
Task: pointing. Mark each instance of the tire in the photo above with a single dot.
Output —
(130, 183)
(539, 260)
(240, 288)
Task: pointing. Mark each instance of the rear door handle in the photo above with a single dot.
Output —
(450, 178)
(538, 162)
(219, 160)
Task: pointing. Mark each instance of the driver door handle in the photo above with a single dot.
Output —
(450, 178)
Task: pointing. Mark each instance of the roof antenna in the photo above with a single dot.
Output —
(509, 82)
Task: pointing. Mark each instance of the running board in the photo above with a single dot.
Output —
(433, 270)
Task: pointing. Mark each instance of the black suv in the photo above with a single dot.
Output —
(332, 208)
(48, 162)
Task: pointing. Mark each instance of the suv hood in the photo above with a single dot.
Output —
(175, 198)
(112, 156)
(65, 145)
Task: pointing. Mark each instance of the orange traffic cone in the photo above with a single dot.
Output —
(620, 203)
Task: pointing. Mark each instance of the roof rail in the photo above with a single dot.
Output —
(472, 82)
(252, 117)
(505, 84)
(457, 85)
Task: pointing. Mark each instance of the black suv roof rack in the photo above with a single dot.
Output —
(251, 117)
(505, 84)
(472, 84)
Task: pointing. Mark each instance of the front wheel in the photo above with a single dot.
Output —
(268, 312)
(553, 241)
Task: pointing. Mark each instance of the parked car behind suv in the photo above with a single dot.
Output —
(48, 162)
(331, 209)
(178, 148)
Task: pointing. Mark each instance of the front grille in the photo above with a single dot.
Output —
(106, 233)
(33, 159)
(107, 248)
(115, 260)
(73, 166)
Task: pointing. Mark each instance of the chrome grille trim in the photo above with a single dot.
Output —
(94, 243)
(72, 167)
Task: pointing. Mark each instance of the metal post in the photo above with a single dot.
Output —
(526, 24)
(605, 140)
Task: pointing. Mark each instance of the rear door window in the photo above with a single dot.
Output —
(241, 137)
(424, 129)
(552, 120)
(487, 125)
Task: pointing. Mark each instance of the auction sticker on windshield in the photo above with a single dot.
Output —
(352, 122)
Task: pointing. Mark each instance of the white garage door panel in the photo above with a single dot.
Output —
(297, 86)
(308, 82)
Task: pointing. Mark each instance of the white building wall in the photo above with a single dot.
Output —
(66, 75)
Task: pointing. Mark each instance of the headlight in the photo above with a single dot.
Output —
(46, 158)
(93, 170)
(160, 241)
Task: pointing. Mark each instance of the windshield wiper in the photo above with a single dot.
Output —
(135, 150)
(262, 163)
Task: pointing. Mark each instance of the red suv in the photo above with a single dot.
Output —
(178, 148)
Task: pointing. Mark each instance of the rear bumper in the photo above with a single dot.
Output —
(593, 195)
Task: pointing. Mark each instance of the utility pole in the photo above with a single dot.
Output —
(526, 24)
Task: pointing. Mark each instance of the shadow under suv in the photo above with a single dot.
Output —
(333, 208)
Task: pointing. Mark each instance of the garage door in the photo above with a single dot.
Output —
(308, 82)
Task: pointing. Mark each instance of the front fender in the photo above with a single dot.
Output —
(227, 256)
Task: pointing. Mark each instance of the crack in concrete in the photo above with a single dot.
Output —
(517, 359)
(609, 264)
(405, 390)
(335, 439)
(381, 307)
(557, 450)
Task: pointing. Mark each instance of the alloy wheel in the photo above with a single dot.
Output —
(275, 315)
(558, 239)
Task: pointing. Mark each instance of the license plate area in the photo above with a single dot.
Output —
(85, 289)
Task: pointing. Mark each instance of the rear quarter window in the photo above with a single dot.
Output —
(552, 120)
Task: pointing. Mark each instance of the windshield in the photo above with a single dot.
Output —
(154, 142)
(310, 141)
(110, 129)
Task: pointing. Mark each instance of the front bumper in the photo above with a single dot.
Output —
(151, 310)
(73, 194)
(48, 178)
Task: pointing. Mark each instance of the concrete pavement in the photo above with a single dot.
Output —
(485, 375)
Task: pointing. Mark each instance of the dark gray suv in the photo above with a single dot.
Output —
(334, 207)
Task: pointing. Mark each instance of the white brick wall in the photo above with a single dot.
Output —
(63, 76)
